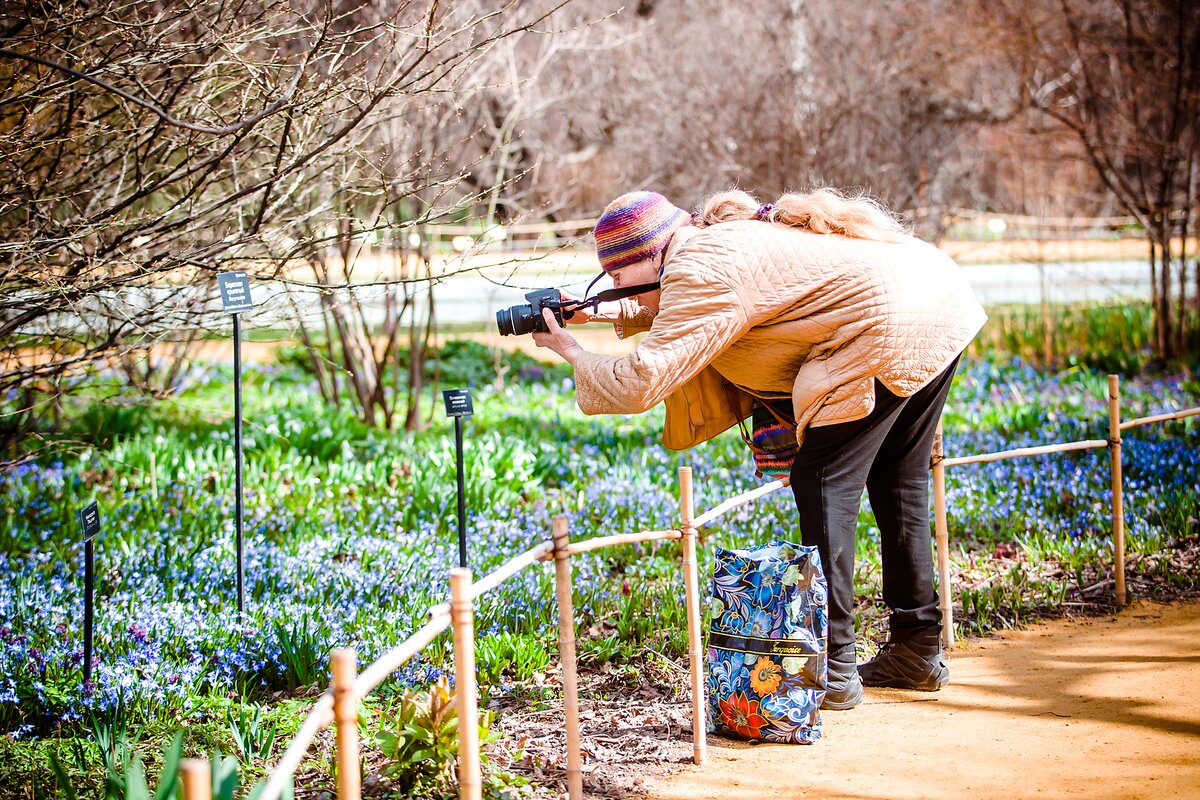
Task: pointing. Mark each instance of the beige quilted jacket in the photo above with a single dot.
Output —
(778, 310)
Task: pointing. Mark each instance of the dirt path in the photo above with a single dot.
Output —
(1100, 708)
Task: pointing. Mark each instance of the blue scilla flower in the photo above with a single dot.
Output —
(20, 732)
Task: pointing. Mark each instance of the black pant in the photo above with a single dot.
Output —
(889, 453)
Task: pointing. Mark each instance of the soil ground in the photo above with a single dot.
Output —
(1106, 707)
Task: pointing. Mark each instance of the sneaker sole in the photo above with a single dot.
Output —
(929, 685)
(845, 705)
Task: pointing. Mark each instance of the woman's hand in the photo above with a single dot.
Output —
(557, 339)
(579, 316)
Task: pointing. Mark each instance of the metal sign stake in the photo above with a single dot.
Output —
(89, 606)
(458, 405)
(237, 460)
(235, 297)
(462, 493)
(89, 522)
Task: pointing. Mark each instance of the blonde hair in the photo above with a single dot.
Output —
(824, 210)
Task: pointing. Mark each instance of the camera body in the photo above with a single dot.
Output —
(521, 319)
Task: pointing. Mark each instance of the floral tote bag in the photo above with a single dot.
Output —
(767, 658)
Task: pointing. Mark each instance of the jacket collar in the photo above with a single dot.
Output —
(678, 239)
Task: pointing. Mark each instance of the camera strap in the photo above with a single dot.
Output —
(608, 295)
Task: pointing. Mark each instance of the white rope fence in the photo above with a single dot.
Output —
(339, 704)
(1113, 443)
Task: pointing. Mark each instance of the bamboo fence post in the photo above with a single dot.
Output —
(1118, 502)
(462, 617)
(691, 584)
(196, 777)
(343, 665)
(566, 650)
(942, 535)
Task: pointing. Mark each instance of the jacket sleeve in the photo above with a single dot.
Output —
(700, 316)
(627, 317)
(634, 318)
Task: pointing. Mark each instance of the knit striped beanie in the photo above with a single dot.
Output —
(634, 227)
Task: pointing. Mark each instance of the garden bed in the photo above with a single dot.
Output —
(349, 542)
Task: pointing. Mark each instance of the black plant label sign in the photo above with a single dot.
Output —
(235, 292)
(458, 402)
(89, 521)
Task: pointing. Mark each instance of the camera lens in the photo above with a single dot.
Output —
(516, 320)
(504, 322)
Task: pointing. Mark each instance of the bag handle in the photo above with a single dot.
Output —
(731, 396)
(782, 418)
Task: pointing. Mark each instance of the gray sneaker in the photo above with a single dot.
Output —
(899, 666)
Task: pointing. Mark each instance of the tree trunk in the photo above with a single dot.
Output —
(418, 335)
(1165, 340)
(1154, 304)
(1047, 318)
(1181, 310)
(421, 350)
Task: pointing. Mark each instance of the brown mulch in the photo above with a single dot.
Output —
(635, 724)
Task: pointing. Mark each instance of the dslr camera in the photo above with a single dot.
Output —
(527, 318)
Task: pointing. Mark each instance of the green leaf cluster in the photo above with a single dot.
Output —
(420, 740)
